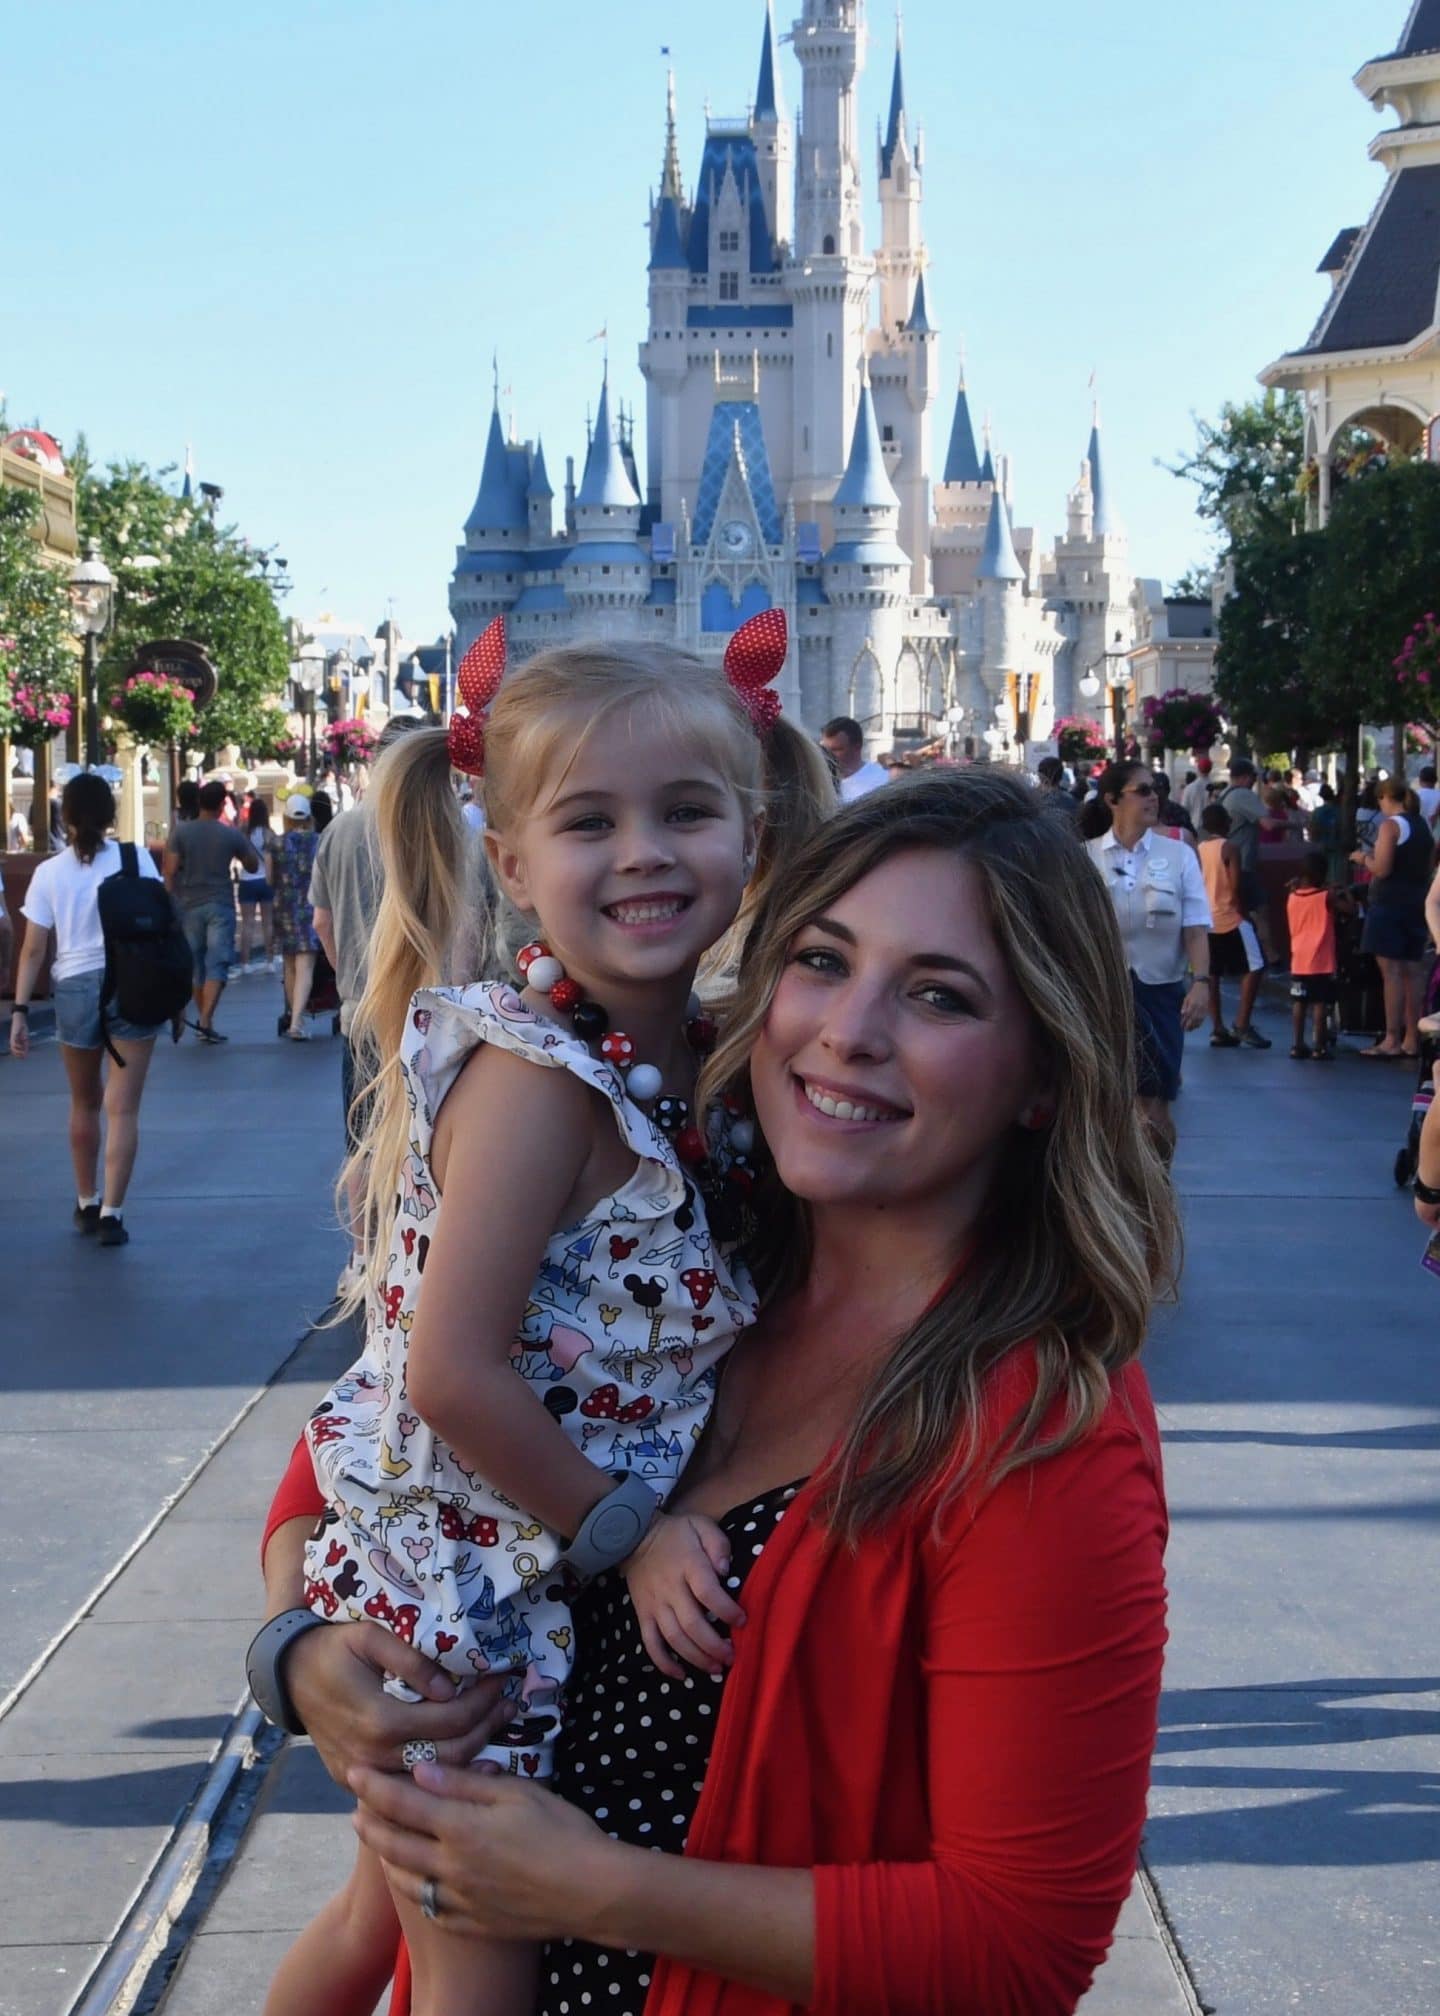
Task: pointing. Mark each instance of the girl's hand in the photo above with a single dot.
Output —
(509, 1859)
(335, 1678)
(19, 1035)
(674, 1577)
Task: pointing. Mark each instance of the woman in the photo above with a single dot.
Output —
(1398, 860)
(256, 893)
(294, 915)
(924, 1786)
(63, 898)
(1165, 923)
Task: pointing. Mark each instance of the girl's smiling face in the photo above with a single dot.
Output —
(898, 1051)
(633, 856)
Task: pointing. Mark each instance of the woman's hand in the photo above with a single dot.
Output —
(509, 1859)
(674, 1578)
(334, 1676)
(19, 1034)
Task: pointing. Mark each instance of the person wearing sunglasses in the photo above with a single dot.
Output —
(1163, 912)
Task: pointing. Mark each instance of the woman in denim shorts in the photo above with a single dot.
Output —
(63, 898)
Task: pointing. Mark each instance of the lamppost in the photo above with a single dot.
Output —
(1115, 660)
(307, 674)
(92, 602)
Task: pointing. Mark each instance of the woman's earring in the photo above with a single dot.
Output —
(1037, 1117)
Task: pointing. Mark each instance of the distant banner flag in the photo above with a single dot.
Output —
(664, 48)
(433, 682)
(601, 335)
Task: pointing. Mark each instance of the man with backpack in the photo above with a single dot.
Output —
(198, 859)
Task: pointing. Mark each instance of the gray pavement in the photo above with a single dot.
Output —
(1294, 1838)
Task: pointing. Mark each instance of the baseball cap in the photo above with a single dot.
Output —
(297, 807)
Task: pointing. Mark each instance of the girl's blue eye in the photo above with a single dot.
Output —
(692, 813)
(944, 998)
(590, 822)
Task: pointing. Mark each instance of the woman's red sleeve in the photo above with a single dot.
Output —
(1042, 1654)
(298, 1496)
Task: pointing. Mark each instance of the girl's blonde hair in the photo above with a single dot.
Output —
(1079, 1232)
(799, 796)
(438, 921)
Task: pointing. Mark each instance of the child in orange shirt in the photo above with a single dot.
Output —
(1311, 909)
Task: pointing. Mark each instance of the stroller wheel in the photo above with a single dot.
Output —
(1404, 1169)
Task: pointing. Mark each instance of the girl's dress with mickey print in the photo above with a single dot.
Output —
(630, 1314)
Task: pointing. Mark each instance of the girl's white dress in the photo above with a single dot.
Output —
(631, 1311)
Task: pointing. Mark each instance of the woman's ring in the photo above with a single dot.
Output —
(429, 1898)
(418, 1753)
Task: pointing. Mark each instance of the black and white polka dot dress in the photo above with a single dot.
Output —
(633, 1756)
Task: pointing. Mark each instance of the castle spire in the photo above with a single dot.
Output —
(671, 184)
(606, 481)
(962, 463)
(866, 482)
(897, 104)
(999, 561)
(497, 506)
(767, 104)
(1103, 521)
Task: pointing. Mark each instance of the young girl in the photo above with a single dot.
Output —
(255, 893)
(576, 1246)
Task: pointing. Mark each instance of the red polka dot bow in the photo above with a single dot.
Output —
(753, 659)
(478, 679)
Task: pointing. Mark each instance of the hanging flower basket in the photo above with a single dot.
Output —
(37, 716)
(156, 709)
(1080, 740)
(348, 743)
(1182, 720)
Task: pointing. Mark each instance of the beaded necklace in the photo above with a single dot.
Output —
(726, 1190)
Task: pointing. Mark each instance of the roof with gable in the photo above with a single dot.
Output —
(500, 501)
(668, 249)
(606, 481)
(1421, 33)
(1387, 294)
(919, 323)
(767, 104)
(962, 463)
(1342, 246)
(897, 113)
(866, 483)
(732, 420)
(732, 150)
(999, 562)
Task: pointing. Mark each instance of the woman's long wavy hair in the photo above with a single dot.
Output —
(439, 922)
(1079, 1233)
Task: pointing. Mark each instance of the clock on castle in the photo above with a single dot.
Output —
(790, 374)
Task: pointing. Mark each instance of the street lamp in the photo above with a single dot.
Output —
(92, 603)
(1115, 660)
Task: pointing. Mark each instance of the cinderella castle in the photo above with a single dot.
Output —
(790, 378)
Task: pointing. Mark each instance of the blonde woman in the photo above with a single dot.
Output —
(921, 1783)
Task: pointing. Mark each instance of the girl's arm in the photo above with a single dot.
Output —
(519, 1139)
(1432, 909)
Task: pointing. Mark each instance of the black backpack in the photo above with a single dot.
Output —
(148, 968)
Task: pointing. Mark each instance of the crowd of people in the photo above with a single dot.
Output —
(756, 1167)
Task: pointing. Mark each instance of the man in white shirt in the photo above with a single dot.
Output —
(843, 741)
(1158, 890)
(1196, 794)
(1428, 795)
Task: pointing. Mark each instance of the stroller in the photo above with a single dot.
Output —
(1407, 1159)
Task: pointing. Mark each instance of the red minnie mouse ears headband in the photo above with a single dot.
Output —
(753, 660)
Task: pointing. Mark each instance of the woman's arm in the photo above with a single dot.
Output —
(518, 1139)
(1432, 910)
(32, 958)
(514, 1862)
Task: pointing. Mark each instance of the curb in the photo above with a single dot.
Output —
(133, 1975)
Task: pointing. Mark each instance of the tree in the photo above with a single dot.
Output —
(1263, 678)
(178, 574)
(1193, 586)
(37, 651)
(1248, 467)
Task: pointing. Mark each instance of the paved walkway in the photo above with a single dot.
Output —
(1295, 1838)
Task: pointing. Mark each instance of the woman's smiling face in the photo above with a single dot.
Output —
(898, 1051)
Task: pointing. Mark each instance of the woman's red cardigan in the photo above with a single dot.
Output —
(952, 1729)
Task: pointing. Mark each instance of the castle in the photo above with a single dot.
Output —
(790, 379)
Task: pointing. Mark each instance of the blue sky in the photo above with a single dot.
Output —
(293, 232)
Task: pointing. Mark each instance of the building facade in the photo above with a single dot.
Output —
(792, 375)
(1373, 358)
